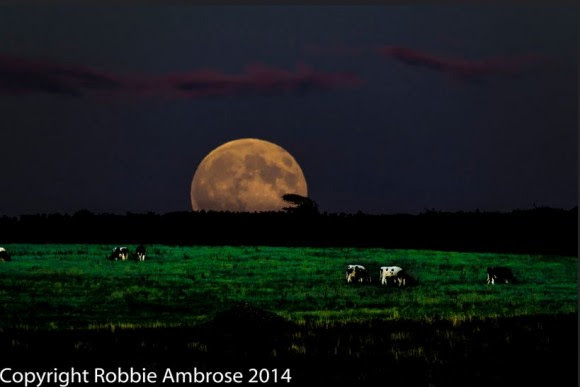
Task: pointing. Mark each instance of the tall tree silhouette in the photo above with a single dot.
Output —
(301, 204)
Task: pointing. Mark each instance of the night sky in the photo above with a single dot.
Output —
(387, 109)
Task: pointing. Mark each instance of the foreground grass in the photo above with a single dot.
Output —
(74, 286)
(438, 353)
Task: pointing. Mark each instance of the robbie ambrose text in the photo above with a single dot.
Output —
(75, 377)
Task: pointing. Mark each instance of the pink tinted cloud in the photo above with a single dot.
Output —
(256, 79)
(456, 67)
(463, 68)
(24, 76)
(21, 76)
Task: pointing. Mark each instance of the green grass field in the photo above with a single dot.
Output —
(75, 286)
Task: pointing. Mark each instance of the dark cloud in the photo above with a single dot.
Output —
(19, 76)
(257, 80)
(456, 67)
(462, 68)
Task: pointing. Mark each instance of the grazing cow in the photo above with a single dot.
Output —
(4, 256)
(119, 254)
(350, 272)
(357, 273)
(500, 274)
(140, 253)
(395, 275)
(389, 273)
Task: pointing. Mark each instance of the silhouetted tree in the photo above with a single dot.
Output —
(301, 204)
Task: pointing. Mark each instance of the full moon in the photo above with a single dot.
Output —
(246, 175)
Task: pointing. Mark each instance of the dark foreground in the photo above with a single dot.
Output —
(480, 352)
(536, 231)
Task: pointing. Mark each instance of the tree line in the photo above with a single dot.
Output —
(535, 231)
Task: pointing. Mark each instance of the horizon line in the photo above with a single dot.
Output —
(323, 213)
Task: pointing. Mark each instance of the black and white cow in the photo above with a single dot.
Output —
(350, 272)
(389, 274)
(500, 274)
(140, 253)
(357, 274)
(119, 254)
(4, 256)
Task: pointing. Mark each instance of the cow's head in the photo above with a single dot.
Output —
(351, 276)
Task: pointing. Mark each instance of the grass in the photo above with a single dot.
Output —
(75, 286)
